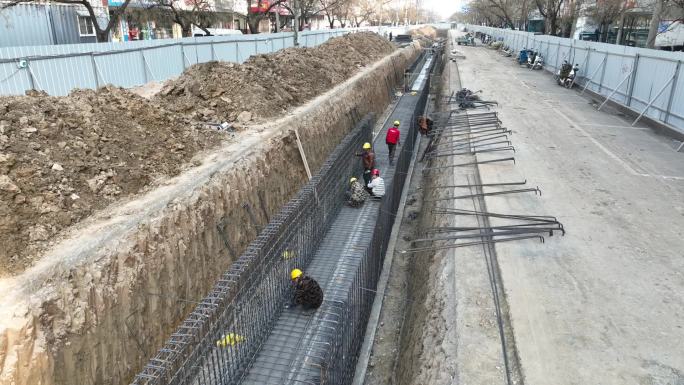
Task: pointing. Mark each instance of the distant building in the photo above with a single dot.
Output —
(47, 24)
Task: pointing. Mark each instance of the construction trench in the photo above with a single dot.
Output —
(263, 341)
(198, 234)
(81, 314)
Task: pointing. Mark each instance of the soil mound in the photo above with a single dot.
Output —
(268, 85)
(426, 31)
(427, 35)
(61, 158)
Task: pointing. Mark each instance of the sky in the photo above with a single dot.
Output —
(443, 7)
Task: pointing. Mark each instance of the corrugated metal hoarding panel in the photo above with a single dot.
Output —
(58, 69)
(633, 77)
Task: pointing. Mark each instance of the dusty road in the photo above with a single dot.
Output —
(604, 304)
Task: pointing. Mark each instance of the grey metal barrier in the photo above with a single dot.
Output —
(646, 81)
(58, 69)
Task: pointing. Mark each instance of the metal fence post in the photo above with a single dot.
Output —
(237, 51)
(672, 90)
(144, 66)
(213, 52)
(94, 65)
(650, 102)
(629, 75)
(182, 51)
(603, 72)
(30, 76)
(633, 79)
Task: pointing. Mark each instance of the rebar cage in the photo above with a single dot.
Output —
(220, 339)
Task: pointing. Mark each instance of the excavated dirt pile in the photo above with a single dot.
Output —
(61, 158)
(267, 85)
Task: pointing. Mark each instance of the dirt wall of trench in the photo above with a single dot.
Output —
(100, 304)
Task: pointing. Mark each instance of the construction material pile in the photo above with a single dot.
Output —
(425, 35)
(61, 158)
(268, 85)
(426, 31)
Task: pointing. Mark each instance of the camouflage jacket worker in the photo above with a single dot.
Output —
(308, 293)
(358, 194)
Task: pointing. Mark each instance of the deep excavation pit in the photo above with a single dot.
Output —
(100, 302)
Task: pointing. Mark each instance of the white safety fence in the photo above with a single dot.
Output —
(645, 80)
(58, 69)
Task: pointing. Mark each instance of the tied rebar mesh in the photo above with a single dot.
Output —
(222, 341)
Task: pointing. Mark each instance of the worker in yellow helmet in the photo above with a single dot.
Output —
(230, 339)
(368, 157)
(307, 291)
(356, 194)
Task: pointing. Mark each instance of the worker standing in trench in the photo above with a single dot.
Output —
(392, 139)
(308, 292)
(368, 158)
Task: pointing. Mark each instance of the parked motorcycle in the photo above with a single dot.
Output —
(535, 61)
(566, 74)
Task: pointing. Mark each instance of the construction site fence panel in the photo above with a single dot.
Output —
(644, 80)
(58, 69)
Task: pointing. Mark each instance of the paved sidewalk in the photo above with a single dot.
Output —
(604, 304)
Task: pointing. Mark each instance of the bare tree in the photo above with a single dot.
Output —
(96, 16)
(504, 9)
(330, 8)
(604, 13)
(550, 9)
(263, 8)
(658, 10)
(569, 17)
(200, 14)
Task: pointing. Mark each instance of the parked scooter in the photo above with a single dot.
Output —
(523, 56)
(535, 61)
(566, 74)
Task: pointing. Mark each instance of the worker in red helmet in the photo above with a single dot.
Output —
(393, 139)
(377, 184)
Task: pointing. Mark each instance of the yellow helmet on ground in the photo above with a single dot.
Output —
(397, 123)
(296, 273)
(231, 339)
(352, 180)
(366, 146)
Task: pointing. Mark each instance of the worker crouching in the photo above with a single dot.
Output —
(356, 194)
(307, 291)
(377, 184)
